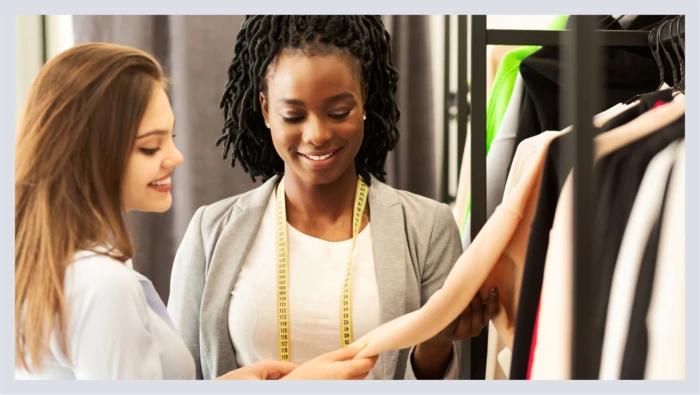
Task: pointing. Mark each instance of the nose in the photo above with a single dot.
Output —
(174, 159)
(316, 133)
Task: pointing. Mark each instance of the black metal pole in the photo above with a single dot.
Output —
(582, 57)
(479, 345)
(462, 87)
(478, 124)
(617, 38)
(446, 117)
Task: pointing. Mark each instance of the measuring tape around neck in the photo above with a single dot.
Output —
(283, 316)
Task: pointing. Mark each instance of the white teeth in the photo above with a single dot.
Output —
(322, 157)
(161, 182)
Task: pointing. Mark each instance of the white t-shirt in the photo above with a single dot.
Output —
(117, 328)
(316, 272)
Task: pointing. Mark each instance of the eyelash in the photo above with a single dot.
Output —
(337, 117)
(151, 151)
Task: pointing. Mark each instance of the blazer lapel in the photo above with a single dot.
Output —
(390, 254)
(226, 261)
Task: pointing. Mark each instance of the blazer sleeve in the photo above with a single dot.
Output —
(444, 248)
(186, 287)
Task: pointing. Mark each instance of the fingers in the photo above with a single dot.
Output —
(476, 316)
(492, 305)
(359, 367)
(360, 377)
(344, 353)
(275, 370)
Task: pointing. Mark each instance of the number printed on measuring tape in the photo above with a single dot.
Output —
(284, 332)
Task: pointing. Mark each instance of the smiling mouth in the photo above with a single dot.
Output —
(162, 182)
(320, 158)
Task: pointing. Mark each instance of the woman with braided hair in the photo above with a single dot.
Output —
(323, 251)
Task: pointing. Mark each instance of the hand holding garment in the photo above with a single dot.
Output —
(494, 259)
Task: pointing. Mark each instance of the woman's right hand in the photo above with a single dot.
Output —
(335, 365)
(263, 370)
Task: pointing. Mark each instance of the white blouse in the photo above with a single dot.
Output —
(317, 269)
(117, 328)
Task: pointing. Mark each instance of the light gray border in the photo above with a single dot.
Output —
(202, 7)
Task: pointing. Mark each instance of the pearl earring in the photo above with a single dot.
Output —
(364, 117)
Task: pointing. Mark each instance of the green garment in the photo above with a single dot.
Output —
(502, 90)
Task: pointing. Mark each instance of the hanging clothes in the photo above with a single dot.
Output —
(628, 71)
(622, 173)
(646, 208)
(554, 175)
(553, 347)
(665, 319)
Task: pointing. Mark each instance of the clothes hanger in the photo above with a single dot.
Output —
(659, 36)
(677, 23)
(657, 58)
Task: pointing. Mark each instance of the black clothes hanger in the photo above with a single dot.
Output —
(677, 35)
(659, 36)
(653, 39)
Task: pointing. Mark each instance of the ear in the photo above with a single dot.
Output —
(265, 111)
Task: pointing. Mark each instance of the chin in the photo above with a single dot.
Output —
(156, 206)
(321, 176)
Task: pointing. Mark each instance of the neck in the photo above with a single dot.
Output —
(308, 203)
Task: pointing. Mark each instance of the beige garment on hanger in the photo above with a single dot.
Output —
(495, 258)
(499, 356)
(552, 358)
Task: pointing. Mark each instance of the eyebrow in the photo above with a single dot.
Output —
(332, 99)
(151, 133)
(155, 132)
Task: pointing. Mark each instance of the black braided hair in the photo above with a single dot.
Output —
(261, 39)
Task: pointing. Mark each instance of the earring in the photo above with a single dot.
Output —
(364, 117)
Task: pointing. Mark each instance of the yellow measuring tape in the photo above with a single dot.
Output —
(283, 328)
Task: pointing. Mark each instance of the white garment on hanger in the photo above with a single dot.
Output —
(645, 211)
(666, 315)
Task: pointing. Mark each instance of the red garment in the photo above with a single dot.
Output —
(533, 343)
(659, 104)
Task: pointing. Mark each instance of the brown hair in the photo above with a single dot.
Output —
(74, 140)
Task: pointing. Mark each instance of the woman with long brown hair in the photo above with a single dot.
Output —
(96, 141)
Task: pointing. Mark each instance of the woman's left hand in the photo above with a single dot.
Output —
(472, 320)
(432, 356)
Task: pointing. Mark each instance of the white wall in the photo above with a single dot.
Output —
(31, 40)
(29, 55)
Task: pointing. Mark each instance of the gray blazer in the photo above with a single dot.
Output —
(415, 242)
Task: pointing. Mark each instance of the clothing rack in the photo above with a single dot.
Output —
(456, 106)
(581, 59)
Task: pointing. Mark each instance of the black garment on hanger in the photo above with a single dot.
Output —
(554, 175)
(626, 72)
(635, 356)
(621, 174)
